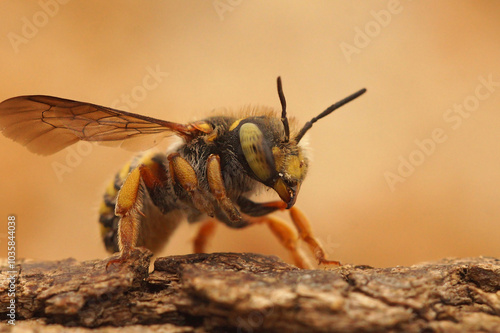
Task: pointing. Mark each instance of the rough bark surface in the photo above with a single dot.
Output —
(226, 292)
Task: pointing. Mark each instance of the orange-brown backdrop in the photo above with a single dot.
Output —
(379, 192)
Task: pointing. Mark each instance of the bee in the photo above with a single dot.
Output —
(207, 176)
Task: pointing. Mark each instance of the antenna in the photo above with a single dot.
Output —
(325, 113)
(284, 119)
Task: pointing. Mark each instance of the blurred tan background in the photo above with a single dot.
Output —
(420, 63)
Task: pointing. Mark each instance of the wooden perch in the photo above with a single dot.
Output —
(248, 293)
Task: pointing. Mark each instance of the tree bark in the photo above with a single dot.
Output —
(248, 293)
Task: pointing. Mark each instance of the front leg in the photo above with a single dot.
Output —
(256, 209)
(256, 213)
(283, 232)
(305, 233)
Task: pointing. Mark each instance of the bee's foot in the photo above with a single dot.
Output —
(117, 262)
(329, 262)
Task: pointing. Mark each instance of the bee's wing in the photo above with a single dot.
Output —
(46, 124)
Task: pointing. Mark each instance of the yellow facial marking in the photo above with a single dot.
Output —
(295, 167)
(278, 158)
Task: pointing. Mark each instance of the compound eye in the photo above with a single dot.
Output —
(257, 152)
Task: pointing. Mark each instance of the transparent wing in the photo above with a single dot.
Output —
(46, 124)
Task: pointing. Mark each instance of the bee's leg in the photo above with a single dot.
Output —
(258, 213)
(299, 220)
(216, 183)
(205, 232)
(230, 214)
(182, 173)
(305, 233)
(128, 208)
(287, 237)
(255, 209)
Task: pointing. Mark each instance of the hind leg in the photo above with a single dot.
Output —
(129, 204)
(150, 229)
(154, 177)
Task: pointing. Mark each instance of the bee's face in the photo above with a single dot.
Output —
(291, 165)
(271, 159)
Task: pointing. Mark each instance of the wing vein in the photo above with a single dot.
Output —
(47, 124)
